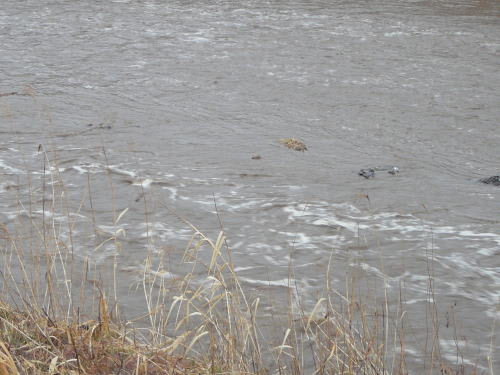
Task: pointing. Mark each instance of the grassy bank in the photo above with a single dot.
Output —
(202, 328)
(209, 327)
(33, 343)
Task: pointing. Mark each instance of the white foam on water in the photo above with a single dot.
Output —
(374, 270)
(79, 169)
(197, 39)
(10, 168)
(491, 236)
(120, 171)
(415, 300)
(241, 269)
(163, 274)
(85, 168)
(395, 33)
(208, 202)
(488, 252)
(173, 192)
(333, 221)
(323, 215)
(54, 216)
(144, 183)
(282, 282)
(449, 350)
(232, 206)
(163, 231)
(301, 239)
(468, 262)
(275, 262)
(236, 245)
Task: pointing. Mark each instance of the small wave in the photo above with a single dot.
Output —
(10, 168)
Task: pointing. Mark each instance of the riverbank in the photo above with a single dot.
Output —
(192, 326)
(33, 343)
(212, 327)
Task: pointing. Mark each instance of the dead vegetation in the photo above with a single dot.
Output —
(211, 327)
(293, 144)
(55, 318)
(31, 343)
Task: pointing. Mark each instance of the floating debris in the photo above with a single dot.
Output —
(293, 144)
(493, 180)
(8, 93)
(14, 93)
(243, 175)
(256, 157)
(393, 170)
(370, 172)
(367, 173)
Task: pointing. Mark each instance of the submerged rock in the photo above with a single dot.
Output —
(370, 172)
(393, 171)
(367, 173)
(493, 180)
(293, 144)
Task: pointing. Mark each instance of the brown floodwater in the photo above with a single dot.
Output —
(147, 104)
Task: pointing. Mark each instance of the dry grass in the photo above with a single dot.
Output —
(55, 317)
(216, 318)
(35, 344)
(293, 144)
(204, 328)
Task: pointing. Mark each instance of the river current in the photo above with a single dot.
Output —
(173, 101)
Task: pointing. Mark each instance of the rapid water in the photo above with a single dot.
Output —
(170, 100)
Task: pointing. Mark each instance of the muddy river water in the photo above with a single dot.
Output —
(170, 100)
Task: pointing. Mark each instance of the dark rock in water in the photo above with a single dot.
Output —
(367, 173)
(393, 170)
(370, 172)
(493, 180)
